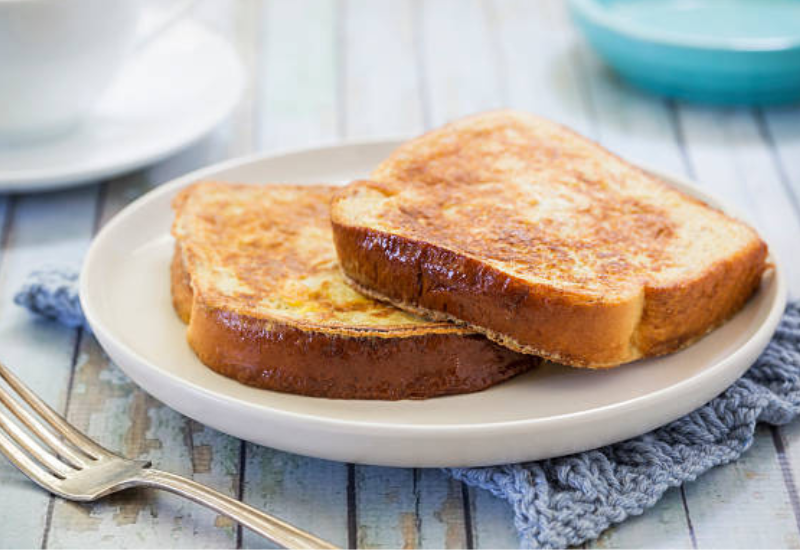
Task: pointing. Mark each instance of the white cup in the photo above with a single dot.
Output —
(57, 57)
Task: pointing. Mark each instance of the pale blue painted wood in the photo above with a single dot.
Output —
(631, 123)
(379, 78)
(538, 53)
(296, 105)
(665, 525)
(564, 82)
(386, 507)
(459, 76)
(296, 74)
(730, 158)
(300, 103)
(620, 115)
(744, 504)
(107, 405)
(442, 523)
(111, 408)
(407, 508)
(47, 228)
(533, 52)
(307, 492)
(492, 521)
(783, 128)
(381, 85)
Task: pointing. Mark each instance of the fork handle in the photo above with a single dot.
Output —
(262, 523)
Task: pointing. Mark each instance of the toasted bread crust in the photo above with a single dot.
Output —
(540, 239)
(567, 329)
(286, 358)
(319, 351)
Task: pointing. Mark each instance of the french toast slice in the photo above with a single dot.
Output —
(254, 275)
(544, 241)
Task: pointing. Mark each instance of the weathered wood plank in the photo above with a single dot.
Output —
(308, 492)
(531, 51)
(408, 508)
(296, 74)
(386, 508)
(296, 105)
(782, 129)
(49, 228)
(540, 61)
(665, 525)
(111, 408)
(381, 83)
(459, 76)
(637, 127)
(492, 521)
(744, 504)
(564, 82)
(106, 404)
(442, 522)
(729, 157)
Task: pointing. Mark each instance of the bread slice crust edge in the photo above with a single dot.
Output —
(273, 355)
(543, 321)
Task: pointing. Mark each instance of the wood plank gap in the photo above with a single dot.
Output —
(341, 72)
(5, 238)
(783, 176)
(415, 490)
(688, 517)
(240, 488)
(467, 504)
(680, 138)
(100, 206)
(48, 522)
(490, 15)
(786, 470)
(352, 511)
(419, 62)
(76, 349)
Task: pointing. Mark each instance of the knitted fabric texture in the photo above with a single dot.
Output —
(568, 500)
(53, 293)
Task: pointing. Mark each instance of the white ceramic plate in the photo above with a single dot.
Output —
(552, 411)
(147, 114)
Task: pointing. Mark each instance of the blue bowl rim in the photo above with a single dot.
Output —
(593, 11)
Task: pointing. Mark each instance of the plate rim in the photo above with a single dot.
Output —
(38, 180)
(769, 325)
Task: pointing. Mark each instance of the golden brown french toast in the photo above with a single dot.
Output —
(254, 275)
(544, 241)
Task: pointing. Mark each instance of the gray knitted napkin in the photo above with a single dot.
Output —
(568, 500)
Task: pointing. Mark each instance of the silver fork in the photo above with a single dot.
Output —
(74, 467)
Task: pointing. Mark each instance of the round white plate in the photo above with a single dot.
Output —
(552, 411)
(168, 95)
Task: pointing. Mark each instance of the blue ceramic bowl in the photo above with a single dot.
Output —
(712, 51)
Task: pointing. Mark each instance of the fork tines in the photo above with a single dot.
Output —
(65, 449)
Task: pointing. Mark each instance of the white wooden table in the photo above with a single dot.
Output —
(323, 71)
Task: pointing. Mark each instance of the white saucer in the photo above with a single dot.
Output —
(553, 411)
(170, 94)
